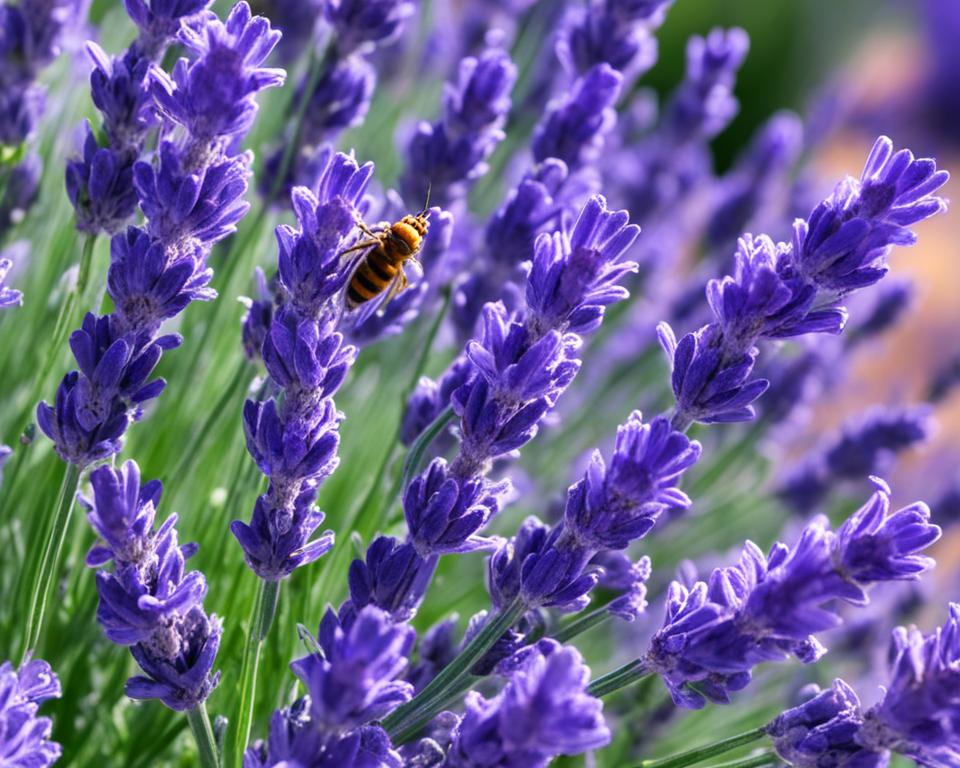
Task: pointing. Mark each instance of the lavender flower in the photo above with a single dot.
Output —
(192, 200)
(24, 737)
(194, 97)
(294, 437)
(606, 510)
(22, 187)
(544, 711)
(100, 187)
(353, 680)
(866, 445)
(160, 21)
(296, 19)
(790, 290)
(823, 731)
(447, 155)
(573, 127)
(360, 24)
(765, 608)
(918, 714)
(147, 601)
(614, 32)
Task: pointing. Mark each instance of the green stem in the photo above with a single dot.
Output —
(764, 758)
(264, 610)
(621, 677)
(41, 579)
(238, 383)
(411, 464)
(582, 624)
(693, 756)
(427, 703)
(203, 733)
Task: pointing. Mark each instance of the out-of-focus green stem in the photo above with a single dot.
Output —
(621, 677)
(40, 577)
(764, 758)
(698, 755)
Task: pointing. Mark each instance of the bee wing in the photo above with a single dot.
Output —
(378, 304)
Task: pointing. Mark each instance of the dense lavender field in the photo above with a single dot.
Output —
(611, 482)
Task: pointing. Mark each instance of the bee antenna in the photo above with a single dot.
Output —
(426, 204)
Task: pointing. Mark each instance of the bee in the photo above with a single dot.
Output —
(379, 274)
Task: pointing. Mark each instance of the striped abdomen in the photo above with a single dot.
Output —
(372, 277)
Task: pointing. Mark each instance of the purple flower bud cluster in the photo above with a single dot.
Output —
(787, 290)
(147, 600)
(658, 173)
(337, 90)
(24, 737)
(608, 509)
(865, 446)
(916, 718)
(446, 156)
(31, 36)
(574, 126)
(297, 20)
(615, 32)
(100, 181)
(766, 608)
(751, 186)
(543, 711)
(192, 198)
(294, 435)
(352, 679)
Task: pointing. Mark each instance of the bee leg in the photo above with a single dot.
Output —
(359, 246)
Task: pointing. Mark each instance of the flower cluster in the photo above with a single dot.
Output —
(865, 446)
(31, 35)
(766, 608)
(336, 93)
(192, 199)
(293, 436)
(916, 718)
(543, 711)
(787, 290)
(610, 507)
(351, 680)
(444, 157)
(100, 181)
(147, 601)
(24, 737)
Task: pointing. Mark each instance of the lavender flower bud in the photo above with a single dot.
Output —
(615, 32)
(704, 105)
(24, 737)
(117, 89)
(866, 445)
(100, 187)
(258, 318)
(573, 127)
(764, 608)
(613, 506)
(393, 577)
(160, 21)
(354, 678)
(22, 188)
(147, 601)
(360, 24)
(918, 714)
(296, 19)
(543, 711)
(228, 52)
(893, 300)
(447, 155)
(823, 730)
